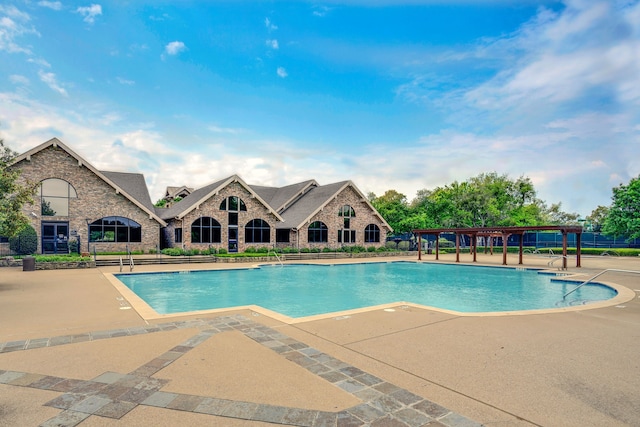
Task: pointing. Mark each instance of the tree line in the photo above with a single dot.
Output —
(486, 200)
(490, 200)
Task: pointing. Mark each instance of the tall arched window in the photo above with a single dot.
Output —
(205, 230)
(257, 231)
(233, 204)
(318, 232)
(372, 234)
(115, 229)
(346, 212)
(54, 196)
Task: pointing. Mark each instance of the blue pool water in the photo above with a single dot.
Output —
(305, 290)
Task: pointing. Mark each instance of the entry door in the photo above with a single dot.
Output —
(233, 239)
(55, 237)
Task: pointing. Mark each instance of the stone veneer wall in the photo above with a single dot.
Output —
(96, 199)
(211, 207)
(329, 215)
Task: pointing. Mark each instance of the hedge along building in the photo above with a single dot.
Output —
(112, 211)
(75, 202)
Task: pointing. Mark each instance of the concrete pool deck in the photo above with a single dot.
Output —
(73, 351)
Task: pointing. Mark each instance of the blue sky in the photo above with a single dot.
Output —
(403, 95)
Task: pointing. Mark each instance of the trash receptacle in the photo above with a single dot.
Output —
(429, 251)
(28, 263)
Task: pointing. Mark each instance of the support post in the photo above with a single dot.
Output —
(437, 247)
(419, 246)
(578, 249)
(457, 247)
(505, 237)
(564, 249)
(521, 242)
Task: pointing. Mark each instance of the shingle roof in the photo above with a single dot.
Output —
(183, 205)
(307, 206)
(280, 197)
(131, 186)
(134, 184)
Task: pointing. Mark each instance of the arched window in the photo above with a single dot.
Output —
(115, 229)
(372, 234)
(205, 230)
(233, 204)
(318, 232)
(54, 196)
(347, 212)
(257, 231)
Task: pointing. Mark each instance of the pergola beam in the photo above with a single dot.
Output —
(504, 232)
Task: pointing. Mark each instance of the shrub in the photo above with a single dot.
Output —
(305, 250)
(222, 251)
(327, 250)
(289, 251)
(250, 250)
(262, 250)
(371, 249)
(26, 242)
(173, 251)
(73, 246)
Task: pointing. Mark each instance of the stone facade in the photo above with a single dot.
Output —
(95, 200)
(211, 208)
(329, 215)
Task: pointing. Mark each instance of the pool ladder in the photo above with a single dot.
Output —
(277, 257)
(598, 275)
(130, 264)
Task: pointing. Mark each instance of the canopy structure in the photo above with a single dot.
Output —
(504, 233)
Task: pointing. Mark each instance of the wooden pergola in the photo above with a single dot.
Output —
(504, 233)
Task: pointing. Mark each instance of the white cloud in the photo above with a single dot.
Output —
(273, 44)
(50, 80)
(18, 79)
(270, 26)
(282, 72)
(90, 12)
(13, 25)
(174, 48)
(124, 81)
(218, 129)
(55, 5)
(39, 61)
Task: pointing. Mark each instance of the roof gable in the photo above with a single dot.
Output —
(316, 199)
(131, 186)
(201, 195)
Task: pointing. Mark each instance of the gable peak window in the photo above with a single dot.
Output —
(54, 194)
(233, 204)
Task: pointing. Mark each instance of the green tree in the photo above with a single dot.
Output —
(624, 215)
(597, 218)
(393, 207)
(13, 195)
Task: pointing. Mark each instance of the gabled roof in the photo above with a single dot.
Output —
(134, 190)
(314, 200)
(175, 191)
(201, 195)
(281, 198)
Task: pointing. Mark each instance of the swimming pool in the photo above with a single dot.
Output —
(301, 290)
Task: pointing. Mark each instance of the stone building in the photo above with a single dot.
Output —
(112, 211)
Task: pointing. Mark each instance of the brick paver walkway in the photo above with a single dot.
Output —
(113, 394)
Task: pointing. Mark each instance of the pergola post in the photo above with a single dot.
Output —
(564, 249)
(457, 247)
(437, 246)
(521, 241)
(505, 237)
(419, 246)
(474, 242)
(578, 248)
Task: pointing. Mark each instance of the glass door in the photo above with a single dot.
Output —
(55, 237)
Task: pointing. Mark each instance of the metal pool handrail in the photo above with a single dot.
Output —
(597, 275)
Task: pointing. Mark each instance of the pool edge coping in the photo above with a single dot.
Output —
(146, 312)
